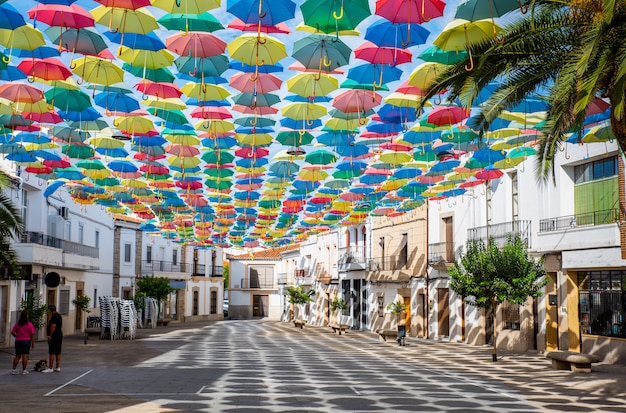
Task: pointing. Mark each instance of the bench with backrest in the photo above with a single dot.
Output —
(341, 325)
(384, 335)
(569, 360)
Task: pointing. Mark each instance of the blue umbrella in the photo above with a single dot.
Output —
(53, 186)
(418, 138)
(335, 139)
(300, 124)
(122, 166)
(307, 99)
(149, 140)
(10, 18)
(41, 52)
(219, 143)
(84, 115)
(202, 67)
(148, 41)
(242, 67)
(116, 102)
(395, 114)
(269, 13)
(32, 137)
(243, 195)
(251, 162)
(369, 73)
(12, 73)
(113, 152)
(407, 172)
(352, 150)
(384, 33)
(351, 165)
(372, 179)
(488, 155)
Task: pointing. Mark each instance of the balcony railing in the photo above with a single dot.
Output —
(499, 232)
(608, 216)
(441, 252)
(349, 258)
(68, 247)
(302, 272)
(389, 263)
(198, 270)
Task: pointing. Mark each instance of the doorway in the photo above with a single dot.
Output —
(443, 311)
(259, 305)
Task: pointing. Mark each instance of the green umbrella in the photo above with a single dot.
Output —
(473, 10)
(320, 52)
(348, 174)
(435, 54)
(294, 138)
(259, 122)
(332, 16)
(284, 168)
(218, 157)
(203, 22)
(156, 75)
(268, 204)
(320, 157)
(219, 172)
(256, 99)
(69, 100)
(174, 116)
(78, 151)
(218, 184)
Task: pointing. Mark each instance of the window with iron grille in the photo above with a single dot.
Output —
(510, 315)
(213, 302)
(64, 301)
(602, 301)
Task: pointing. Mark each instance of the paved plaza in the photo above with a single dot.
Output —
(265, 366)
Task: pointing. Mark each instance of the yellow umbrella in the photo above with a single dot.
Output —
(254, 139)
(257, 49)
(68, 83)
(125, 20)
(423, 75)
(185, 162)
(94, 69)
(40, 106)
(395, 157)
(165, 103)
(24, 37)
(97, 173)
(186, 6)
(459, 35)
(40, 146)
(251, 171)
(106, 142)
(133, 124)
(303, 111)
(312, 174)
(301, 27)
(204, 91)
(312, 84)
(346, 124)
(393, 184)
(502, 133)
(147, 58)
(133, 183)
(403, 100)
(215, 126)
(186, 140)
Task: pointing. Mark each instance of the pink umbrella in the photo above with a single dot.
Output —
(182, 150)
(124, 4)
(211, 112)
(196, 44)
(72, 16)
(45, 117)
(372, 53)
(357, 101)
(280, 28)
(263, 83)
(410, 11)
(159, 89)
(488, 174)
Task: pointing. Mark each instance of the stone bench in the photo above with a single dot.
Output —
(339, 328)
(569, 360)
(299, 323)
(383, 335)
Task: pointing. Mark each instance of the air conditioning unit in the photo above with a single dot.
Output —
(236, 286)
(64, 212)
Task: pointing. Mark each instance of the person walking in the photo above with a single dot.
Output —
(24, 333)
(55, 340)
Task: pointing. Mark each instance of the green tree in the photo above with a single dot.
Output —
(486, 275)
(155, 287)
(10, 228)
(226, 273)
(298, 296)
(566, 52)
(36, 309)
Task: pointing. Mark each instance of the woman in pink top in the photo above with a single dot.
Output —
(24, 333)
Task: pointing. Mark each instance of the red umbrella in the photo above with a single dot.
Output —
(182, 150)
(45, 117)
(20, 92)
(447, 115)
(280, 28)
(124, 4)
(72, 16)
(252, 152)
(196, 44)
(410, 11)
(154, 169)
(372, 53)
(357, 101)
(488, 174)
(263, 83)
(159, 89)
(259, 110)
(49, 68)
(396, 147)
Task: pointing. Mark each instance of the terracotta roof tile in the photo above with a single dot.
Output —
(269, 254)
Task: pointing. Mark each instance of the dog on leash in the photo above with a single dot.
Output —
(41, 365)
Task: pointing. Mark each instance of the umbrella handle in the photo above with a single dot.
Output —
(470, 67)
(317, 76)
(262, 13)
(116, 30)
(522, 7)
(30, 79)
(327, 62)
(253, 121)
(408, 36)
(340, 15)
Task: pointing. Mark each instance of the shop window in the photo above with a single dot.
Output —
(602, 297)
(510, 315)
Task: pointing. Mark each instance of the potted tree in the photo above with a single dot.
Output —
(36, 310)
(397, 308)
(82, 304)
(298, 297)
(339, 306)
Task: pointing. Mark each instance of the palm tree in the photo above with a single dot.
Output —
(568, 52)
(10, 226)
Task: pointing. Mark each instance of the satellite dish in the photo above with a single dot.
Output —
(52, 279)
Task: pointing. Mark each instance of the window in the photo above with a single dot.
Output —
(515, 196)
(196, 301)
(510, 315)
(403, 257)
(174, 257)
(602, 301)
(127, 252)
(97, 239)
(81, 233)
(592, 171)
(261, 277)
(213, 302)
(95, 297)
(64, 301)
(149, 254)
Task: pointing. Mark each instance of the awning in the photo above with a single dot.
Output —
(179, 285)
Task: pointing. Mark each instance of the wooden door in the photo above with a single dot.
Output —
(443, 311)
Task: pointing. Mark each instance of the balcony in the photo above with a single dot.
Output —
(389, 263)
(499, 232)
(352, 261)
(598, 229)
(440, 252)
(39, 248)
